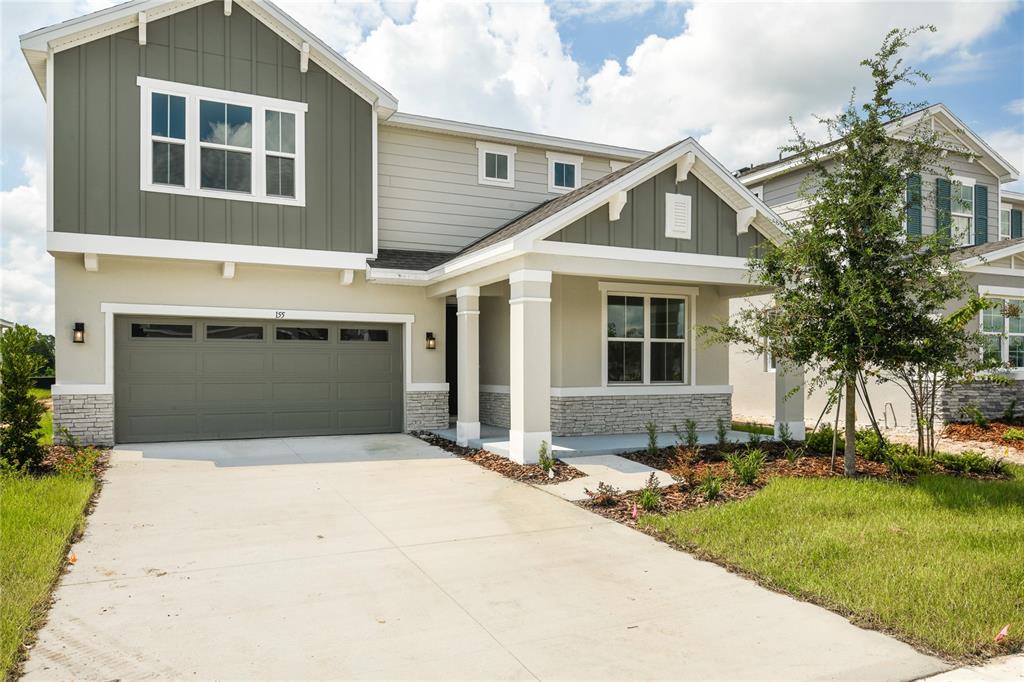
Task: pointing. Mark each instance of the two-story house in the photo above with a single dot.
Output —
(251, 239)
(984, 223)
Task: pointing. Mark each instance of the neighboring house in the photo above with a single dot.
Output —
(251, 240)
(985, 225)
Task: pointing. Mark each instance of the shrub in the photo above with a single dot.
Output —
(544, 458)
(747, 466)
(649, 497)
(79, 462)
(870, 445)
(1013, 434)
(651, 427)
(689, 438)
(1010, 413)
(605, 496)
(722, 433)
(971, 462)
(21, 410)
(904, 460)
(794, 453)
(820, 440)
(785, 435)
(754, 437)
(974, 415)
(710, 486)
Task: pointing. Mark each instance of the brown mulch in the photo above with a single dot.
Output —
(993, 433)
(673, 499)
(527, 473)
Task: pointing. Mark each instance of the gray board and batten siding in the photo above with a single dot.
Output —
(97, 137)
(642, 222)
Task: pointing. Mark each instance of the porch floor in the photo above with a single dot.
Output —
(495, 439)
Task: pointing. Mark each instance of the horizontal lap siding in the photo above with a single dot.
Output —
(430, 196)
(96, 137)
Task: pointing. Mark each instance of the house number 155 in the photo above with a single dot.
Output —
(279, 315)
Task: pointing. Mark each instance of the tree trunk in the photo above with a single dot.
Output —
(850, 454)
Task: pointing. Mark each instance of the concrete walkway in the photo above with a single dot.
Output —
(624, 474)
(383, 557)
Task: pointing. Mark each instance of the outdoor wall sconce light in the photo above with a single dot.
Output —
(431, 341)
(78, 336)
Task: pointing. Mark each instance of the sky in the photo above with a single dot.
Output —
(639, 74)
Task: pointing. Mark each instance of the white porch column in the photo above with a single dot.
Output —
(529, 363)
(467, 425)
(789, 403)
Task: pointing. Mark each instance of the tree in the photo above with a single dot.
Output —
(852, 290)
(43, 346)
(19, 409)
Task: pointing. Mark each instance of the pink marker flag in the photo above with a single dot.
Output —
(635, 512)
(1004, 633)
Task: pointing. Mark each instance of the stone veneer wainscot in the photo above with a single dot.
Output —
(991, 398)
(87, 417)
(426, 410)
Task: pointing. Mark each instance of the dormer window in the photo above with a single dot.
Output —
(564, 171)
(219, 144)
(497, 164)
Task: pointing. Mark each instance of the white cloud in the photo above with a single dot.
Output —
(26, 287)
(1016, 107)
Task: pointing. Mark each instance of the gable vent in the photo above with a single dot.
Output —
(677, 216)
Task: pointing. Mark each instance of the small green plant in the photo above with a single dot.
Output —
(785, 434)
(79, 463)
(19, 441)
(651, 427)
(793, 453)
(545, 459)
(870, 446)
(606, 494)
(1010, 413)
(649, 497)
(754, 437)
(1013, 434)
(710, 486)
(820, 440)
(974, 415)
(905, 461)
(722, 433)
(971, 462)
(689, 436)
(747, 466)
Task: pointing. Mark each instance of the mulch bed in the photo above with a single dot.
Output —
(993, 433)
(527, 473)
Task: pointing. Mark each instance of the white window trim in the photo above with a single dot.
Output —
(1009, 229)
(647, 292)
(484, 148)
(569, 159)
(956, 209)
(259, 104)
(1005, 334)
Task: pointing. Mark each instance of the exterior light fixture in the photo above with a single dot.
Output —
(78, 336)
(431, 341)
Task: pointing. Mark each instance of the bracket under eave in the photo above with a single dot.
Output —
(304, 58)
(744, 219)
(227, 8)
(142, 28)
(91, 261)
(683, 166)
(228, 270)
(616, 204)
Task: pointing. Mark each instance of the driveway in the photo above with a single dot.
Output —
(383, 557)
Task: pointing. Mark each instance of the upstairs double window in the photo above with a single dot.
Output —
(221, 144)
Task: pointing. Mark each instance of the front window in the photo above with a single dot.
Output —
(1002, 329)
(1004, 222)
(221, 144)
(645, 339)
(962, 208)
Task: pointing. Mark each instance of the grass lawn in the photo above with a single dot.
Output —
(38, 515)
(939, 562)
(750, 427)
(46, 423)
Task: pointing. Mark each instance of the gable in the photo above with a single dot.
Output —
(642, 223)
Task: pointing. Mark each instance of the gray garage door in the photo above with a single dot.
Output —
(193, 379)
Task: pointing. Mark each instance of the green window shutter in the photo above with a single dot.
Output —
(1015, 227)
(914, 205)
(980, 214)
(943, 206)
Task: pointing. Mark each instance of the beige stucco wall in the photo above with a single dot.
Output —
(494, 335)
(133, 280)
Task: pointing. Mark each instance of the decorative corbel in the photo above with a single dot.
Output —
(683, 166)
(304, 58)
(227, 8)
(91, 262)
(142, 28)
(616, 204)
(744, 218)
(228, 270)
(345, 277)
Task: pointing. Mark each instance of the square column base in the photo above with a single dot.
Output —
(524, 446)
(466, 431)
(797, 430)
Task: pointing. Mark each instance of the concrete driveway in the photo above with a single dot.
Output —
(383, 557)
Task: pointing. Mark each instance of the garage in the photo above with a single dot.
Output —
(202, 378)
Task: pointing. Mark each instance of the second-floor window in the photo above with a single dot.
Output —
(962, 208)
(496, 164)
(1004, 222)
(564, 171)
(215, 143)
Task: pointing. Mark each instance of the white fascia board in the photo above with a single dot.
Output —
(1010, 250)
(1008, 292)
(504, 135)
(1016, 197)
(625, 254)
(253, 313)
(141, 247)
(396, 276)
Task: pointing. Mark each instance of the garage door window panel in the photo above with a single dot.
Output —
(234, 332)
(159, 330)
(301, 334)
(373, 335)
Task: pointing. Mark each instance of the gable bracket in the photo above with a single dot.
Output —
(683, 166)
(744, 218)
(142, 28)
(616, 204)
(304, 58)
(227, 8)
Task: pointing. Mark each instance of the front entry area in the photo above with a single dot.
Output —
(179, 379)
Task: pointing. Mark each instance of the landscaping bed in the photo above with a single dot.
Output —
(995, 432)
(527, 473)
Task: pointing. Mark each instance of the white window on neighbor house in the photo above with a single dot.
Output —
(564, 172)
(219, 144)
(962, 210)
(496, 164)
(769, 360)
(1002, 328)
(646, 338)
(1004, 222)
